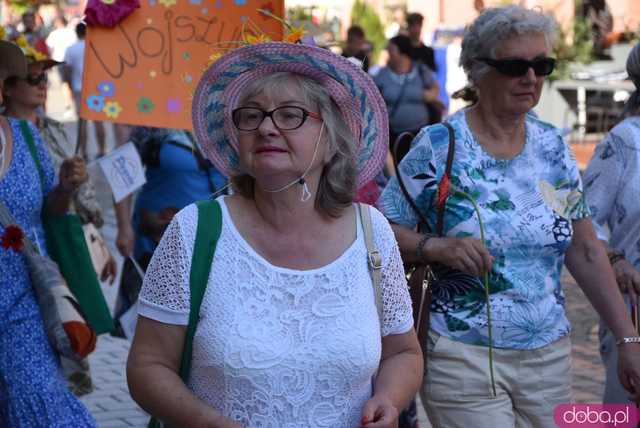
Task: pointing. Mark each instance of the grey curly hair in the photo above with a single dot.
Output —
(337, 187)
(494, 26)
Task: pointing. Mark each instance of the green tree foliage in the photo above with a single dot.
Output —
(573, 46)
(366, 17)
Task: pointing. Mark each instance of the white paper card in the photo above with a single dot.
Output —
(123, 170)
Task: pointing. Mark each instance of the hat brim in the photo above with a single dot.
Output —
(354, 92)
(47, 63)
(12, 60)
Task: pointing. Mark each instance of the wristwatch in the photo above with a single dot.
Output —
(615, 256)
(631, 339)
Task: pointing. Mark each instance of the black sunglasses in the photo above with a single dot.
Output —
(520, 67)
(36, 80)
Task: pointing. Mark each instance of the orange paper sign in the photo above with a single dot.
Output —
(145, 70)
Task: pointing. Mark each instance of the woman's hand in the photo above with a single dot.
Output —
(468, 255)
(73, 172)
(629, 368)
(125, 239)
(379, 412)
(109, 271)
(628, 278)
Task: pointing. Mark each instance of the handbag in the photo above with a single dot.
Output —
(207, 234)
(66, 326)
(420, 277)
(67, 246)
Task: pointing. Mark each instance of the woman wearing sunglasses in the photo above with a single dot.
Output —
(32, 390)
(499, 354)
(25, 98)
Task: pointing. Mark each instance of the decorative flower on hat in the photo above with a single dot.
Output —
(252, 39)
(109, 13)
(295, 34)
(21, 41)
(254, 35)
(112, 109)
(13, 238)
(30, 52)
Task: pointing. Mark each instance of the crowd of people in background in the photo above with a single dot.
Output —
(304, 295)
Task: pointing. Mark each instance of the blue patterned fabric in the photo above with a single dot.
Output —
(527, 204)
(175, 182)
(32, 391)
(612, 186)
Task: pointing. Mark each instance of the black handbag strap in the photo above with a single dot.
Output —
(394, 108)
(447, 172)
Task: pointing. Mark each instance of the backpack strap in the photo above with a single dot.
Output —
(374, 259)
(207, 235)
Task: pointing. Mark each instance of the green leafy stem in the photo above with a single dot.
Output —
(485, 280)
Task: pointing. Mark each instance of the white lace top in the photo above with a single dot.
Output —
(278, 347)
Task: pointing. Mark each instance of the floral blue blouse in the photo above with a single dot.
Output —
(612, 185)
(527, 204)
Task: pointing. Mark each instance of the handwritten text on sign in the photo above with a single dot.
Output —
(144, 70)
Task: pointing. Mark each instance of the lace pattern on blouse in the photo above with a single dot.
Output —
(279, 347)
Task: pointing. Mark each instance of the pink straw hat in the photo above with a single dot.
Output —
(353, 91)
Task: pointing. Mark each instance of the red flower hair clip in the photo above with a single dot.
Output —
(13, 238)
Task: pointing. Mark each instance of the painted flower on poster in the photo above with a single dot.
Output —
(167, 3)
(145, 105)
(174, 105)
(106, 88)
(95, 102)
(112, 109)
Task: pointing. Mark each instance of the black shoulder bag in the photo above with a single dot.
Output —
(420, 276)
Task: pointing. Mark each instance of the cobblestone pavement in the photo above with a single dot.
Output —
(112, 406)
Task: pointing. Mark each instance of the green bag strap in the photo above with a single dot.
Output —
(207, 234)
(28, 136)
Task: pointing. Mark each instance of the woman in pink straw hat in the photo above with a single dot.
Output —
(304, 321)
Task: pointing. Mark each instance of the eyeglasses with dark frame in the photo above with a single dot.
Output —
(37, 79)
(285, 118)
(519, 67)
